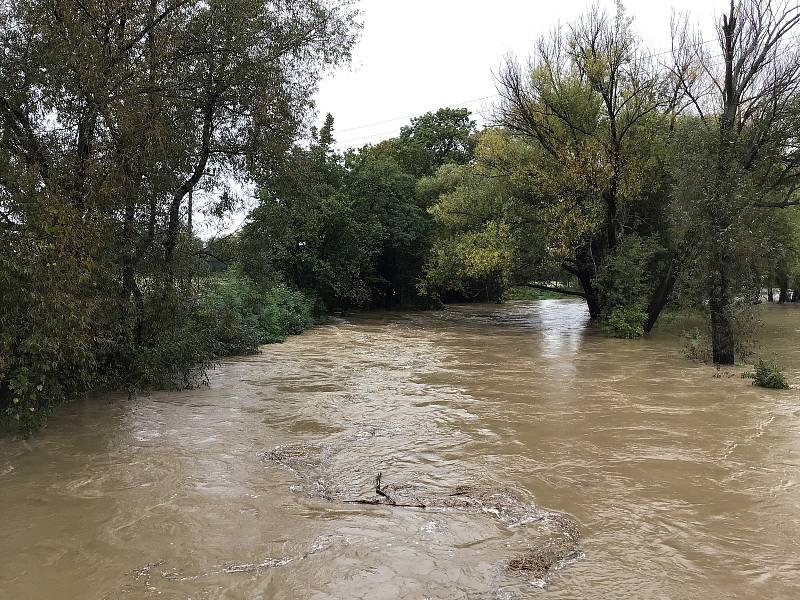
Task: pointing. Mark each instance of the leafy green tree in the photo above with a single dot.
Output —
(385, 199)
(432, 140)
(307, 231)
(484, 240)
(347, 228)
(596, 115)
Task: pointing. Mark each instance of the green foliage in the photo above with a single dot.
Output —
(485, 238)
(697, 341)
(697, 346)
(625, 277)
(348, 229)
(626, 322)
(432, 140)
(229, 314)
(590, 123)
(767, 374)
(242, 315)
(624, 282)
(181, 338)
(100, 281)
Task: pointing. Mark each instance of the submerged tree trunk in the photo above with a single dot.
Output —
(585, 271)
(720, 297)
(783, 285)
(661, 296)
(586, 279)
(720, 303)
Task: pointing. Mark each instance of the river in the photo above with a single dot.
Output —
(683, 485)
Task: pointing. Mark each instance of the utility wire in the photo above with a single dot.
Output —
(414, 115)
(456, 104)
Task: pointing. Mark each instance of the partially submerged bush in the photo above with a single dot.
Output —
(623, 283)
(697, 345)
(180, 336)
(626, 322)
(231, 315)
(286, 312)
(697, 342)
(767, 374)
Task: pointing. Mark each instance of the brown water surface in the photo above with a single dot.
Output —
(684, 485)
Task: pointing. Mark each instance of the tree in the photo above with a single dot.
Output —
(596, 114)
(385, 199)
(485, 239)
(432, 140)
(308, 231)
(112, 115)
(346, 228)
(748, 107)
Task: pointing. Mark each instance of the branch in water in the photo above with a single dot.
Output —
(559, 290)
(380, 501)
(783, 204)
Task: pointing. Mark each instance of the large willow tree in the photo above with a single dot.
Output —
(596, 113)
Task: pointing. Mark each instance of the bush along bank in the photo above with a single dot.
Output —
(179, 341)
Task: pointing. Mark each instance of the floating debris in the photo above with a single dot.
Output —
(507, 505)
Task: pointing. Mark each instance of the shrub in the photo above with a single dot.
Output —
(286, 312)
(767, 374)
(626, 322)
(697, 342)
(624, 278)
(243, 315)
(169, 342)
(697, 346)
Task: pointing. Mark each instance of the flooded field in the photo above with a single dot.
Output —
(498, 431)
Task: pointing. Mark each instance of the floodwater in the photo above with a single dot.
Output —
(683, 485)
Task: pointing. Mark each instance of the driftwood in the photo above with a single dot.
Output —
(309, 462)
(384, 498)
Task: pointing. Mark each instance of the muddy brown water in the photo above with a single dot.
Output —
(683, 485)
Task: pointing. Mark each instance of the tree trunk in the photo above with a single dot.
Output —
(190, 210)
(586, 279)
(661, 296)
(720, 296)
(720, 304)
(770, 294)
(783, 285)
(584, 270)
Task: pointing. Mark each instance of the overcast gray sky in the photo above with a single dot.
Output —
(420, 55)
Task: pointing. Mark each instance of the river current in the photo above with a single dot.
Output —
(684, 483)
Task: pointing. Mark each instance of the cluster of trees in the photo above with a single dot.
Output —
(632, 180)
(640, 180)
(113, 114)
(626, 178)
(351, 228)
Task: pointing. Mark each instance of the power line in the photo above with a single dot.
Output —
(696, 46)
(414, 115)
(374, 135)
(366, 137)
(411, 116)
